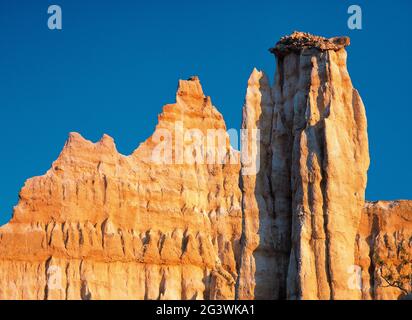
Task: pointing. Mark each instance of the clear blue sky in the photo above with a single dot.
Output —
(116, 63)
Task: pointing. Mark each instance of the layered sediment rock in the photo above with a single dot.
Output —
(181, 218)
(100, 225)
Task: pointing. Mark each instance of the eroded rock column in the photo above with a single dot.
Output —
(258, 265)
(319, 164)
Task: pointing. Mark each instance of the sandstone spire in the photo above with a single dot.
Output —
(302, 211)
(257, 275)
(319, 164)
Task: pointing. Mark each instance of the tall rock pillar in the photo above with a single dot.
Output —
(319, 162)
(258, 263)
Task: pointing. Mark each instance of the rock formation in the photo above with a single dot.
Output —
(100, 225)
(182, 218)
(320, 125)
(384, 239)
(303, 212)
(258, 265)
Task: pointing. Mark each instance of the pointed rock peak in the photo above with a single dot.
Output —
(107, 141)
(76, 139)
(258, 78)
(76, 142)
(298, 41)
(256, 74)
(75, 136)
(190, 87)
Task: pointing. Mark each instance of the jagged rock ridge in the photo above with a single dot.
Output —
(100, 225)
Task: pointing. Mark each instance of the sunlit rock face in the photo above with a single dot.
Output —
(258, 278)
(383, 250)
(320, 152)
(100, 225)
(308, 233)
(183, 218)
(303, 210)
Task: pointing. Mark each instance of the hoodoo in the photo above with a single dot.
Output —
(309, 194)
(320, 152)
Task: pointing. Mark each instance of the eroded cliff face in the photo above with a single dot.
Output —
(182, 218)
(100, 225)
(383, 250)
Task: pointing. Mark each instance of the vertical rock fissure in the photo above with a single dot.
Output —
(46, 285)
(371, 269)
(327, 240)
(324, 182)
